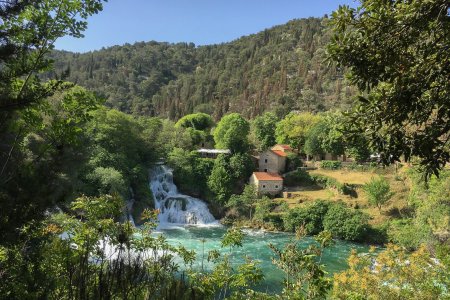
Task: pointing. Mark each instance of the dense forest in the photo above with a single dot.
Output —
(280, 69)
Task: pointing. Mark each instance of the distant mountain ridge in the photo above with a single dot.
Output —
(279, 69)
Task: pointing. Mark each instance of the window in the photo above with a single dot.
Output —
(264, 186)
(276, 186)
(265, 160)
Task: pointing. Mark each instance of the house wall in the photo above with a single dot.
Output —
(267, 186)
(274, 164)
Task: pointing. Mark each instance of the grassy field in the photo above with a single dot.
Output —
(396, 206)
(346, 176)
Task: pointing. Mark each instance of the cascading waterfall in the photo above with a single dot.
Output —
(176, 208)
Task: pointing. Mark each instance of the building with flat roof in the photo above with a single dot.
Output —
(212, 153)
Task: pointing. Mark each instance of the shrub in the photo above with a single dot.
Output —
(330, 164)
(378, 191)
(377, 234)
(274, 221)
(296, 178)
(331, 183)
(346, 223)
(407, 234)
(293, 162)
(311, 217)
(396, 275)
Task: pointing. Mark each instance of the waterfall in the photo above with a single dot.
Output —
(176, 208)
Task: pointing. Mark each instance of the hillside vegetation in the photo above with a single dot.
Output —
(279, 69)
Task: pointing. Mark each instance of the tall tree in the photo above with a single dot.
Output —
(397, 53)
(232, 133)
(294, 128)
(36, 131)
(28, 32)
(264, 130)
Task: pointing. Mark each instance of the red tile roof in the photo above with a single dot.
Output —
(284, 146)
(267, 176)
(279, 153)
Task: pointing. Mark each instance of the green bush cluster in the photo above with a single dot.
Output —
(296, 178)
(331, 183)
(346, 223)
(330, 164)
(293, 162)
(310, 217)
(343, 222)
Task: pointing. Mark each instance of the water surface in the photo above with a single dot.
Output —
(255, 246)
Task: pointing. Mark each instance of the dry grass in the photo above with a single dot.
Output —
(346, 176)
(304, 196)
(394, 207)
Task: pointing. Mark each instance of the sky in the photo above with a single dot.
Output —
(202, 22)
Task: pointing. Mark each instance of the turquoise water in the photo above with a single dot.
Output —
(256, 246)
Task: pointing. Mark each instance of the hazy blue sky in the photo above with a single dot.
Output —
(199, 21)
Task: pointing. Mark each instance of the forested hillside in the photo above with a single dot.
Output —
(280, 69)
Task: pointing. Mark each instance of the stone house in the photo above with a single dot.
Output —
(274, 159)
(267, 183)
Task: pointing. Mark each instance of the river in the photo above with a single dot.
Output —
(186, 221)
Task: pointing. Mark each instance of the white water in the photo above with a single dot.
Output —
(175, 208)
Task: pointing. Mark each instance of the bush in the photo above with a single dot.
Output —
(396, 275)
(377, 234)
(274, 221)
(331, 183)
(330, 164)
(190, 171)
(293, 162)
(311, 217)
(346, 223)
(378, 191)
(296, 178)
(407, 234)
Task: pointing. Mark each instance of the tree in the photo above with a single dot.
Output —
(309, 100)
(28, 32)
(262, 209)
(345, 223)
(45, 139)
(357, 146)
(333, 140)
(305, 277)
(37, 133)
(314, 138)
(108, 181)
(244, 203)
(197, 121)
(294, 128)
(397, 54)
(264, 130)
(220, 181)
(241, 166)
(417, 275)
(378, 191)
(232, 133)
(191, 172)
(198, 126)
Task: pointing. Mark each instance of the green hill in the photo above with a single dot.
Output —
(279, 69)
